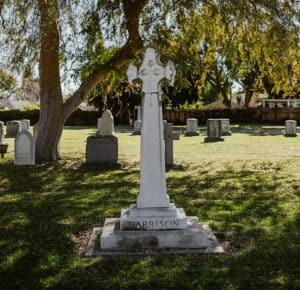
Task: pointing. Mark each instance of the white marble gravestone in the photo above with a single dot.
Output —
(214, 131)
(192, 127)
(106, 124)
(153, 222)
(225, 125)
(290, 128)
(13, 128)
(137, 125)
(24, 149)
(25, 124)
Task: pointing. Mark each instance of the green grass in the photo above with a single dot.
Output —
(247, 189)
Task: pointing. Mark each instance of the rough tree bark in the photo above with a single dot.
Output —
(53, 112)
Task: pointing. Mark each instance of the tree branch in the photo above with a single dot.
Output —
(132, 10)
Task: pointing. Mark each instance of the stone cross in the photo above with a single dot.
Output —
(170, 136)
(106, 124)
(151, 73)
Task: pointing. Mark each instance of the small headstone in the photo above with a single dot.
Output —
(290, 128)
(12, 129)
(225, 124)
(214, 131)
(24, 149)
(102, 149)
(170, 136)
(105, 125)
(25, 124)
(192, 127)
(137, 125)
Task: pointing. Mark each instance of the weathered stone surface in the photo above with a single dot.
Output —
(102, 150)
(192, 127)
(25, 124)
(214, 131)
(290, 128)
(225, 125)
(153, 180)
(106, 124)
(2, 139)
(149, 219)
(12, 129)
(35, 130)
(195, 236)
(137, 125)
(170, 136)
(24, 149)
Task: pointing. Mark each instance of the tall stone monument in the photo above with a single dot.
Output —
(137, 125)
(153, 222)
(102, 149)
(290, 128)
(192, 127)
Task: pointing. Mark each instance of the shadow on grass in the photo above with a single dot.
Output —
(43, 208)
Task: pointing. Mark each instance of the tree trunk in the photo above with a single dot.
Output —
(51, 117)
(248, 96)
(53, 112)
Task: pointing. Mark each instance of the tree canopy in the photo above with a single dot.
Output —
(213, 43)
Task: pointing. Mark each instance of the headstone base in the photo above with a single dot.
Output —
(137, 127)
(213, 139)
(148, 219)
(188, 134)
(290, 135)
(110, 240)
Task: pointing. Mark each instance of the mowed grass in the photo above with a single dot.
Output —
(246, 188)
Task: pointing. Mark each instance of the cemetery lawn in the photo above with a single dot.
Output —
(246, 188)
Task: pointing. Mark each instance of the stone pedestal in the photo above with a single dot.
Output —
(214, 131)
(194, 236)
(192, 127)
(290, 128)
(13, 128)
(102, 151)
(225, 125)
